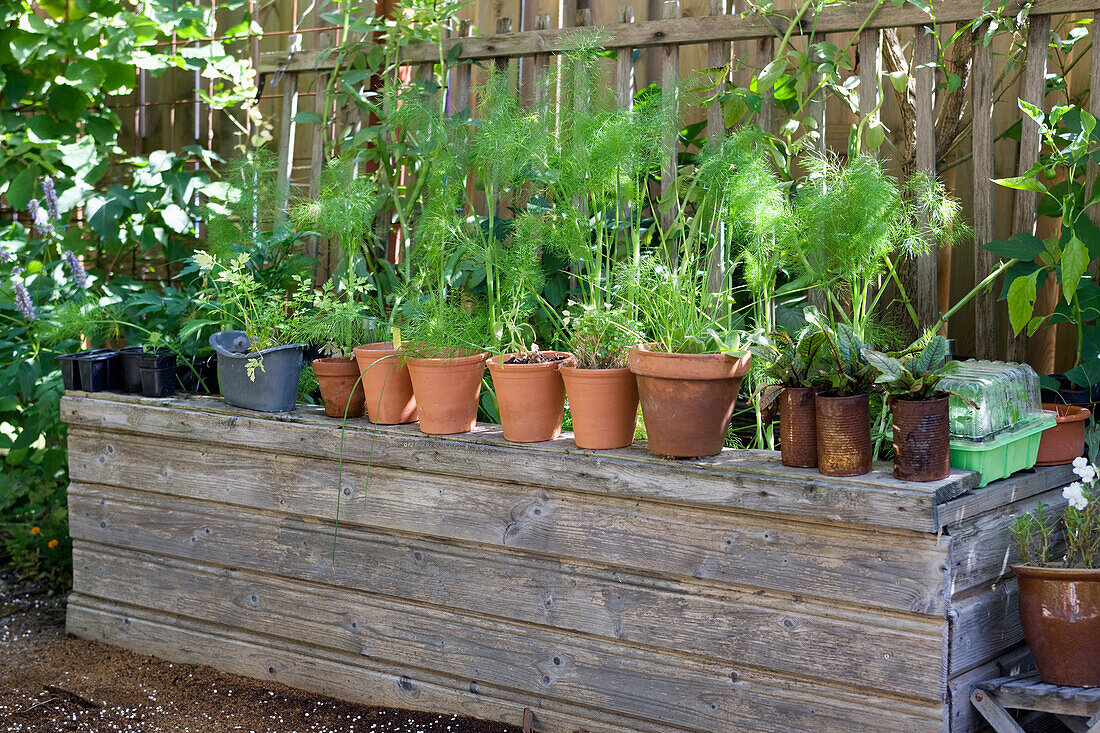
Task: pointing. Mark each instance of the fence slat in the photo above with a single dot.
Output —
(504, 28)
(317, 152)
(624, 65)
(458, 95)
(670, 79)
(1094, 109)
(985, 316)
(718, 55)
(924, 288)
(870, 81)
(765, 53)
(540, 68)
(1033, 90)
(286, 131)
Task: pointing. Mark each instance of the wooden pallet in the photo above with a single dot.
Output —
(1077, 707)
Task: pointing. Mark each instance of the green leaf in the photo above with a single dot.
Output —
(932, 357)
(770, 74)
(21, 189)
(67, 102)
(890, 369)
(900, 80)
(1021, 183)
(1021, 300)
(306, 117)
(176, 218)
(1020, 246)
(85, 74)
(1075, 261)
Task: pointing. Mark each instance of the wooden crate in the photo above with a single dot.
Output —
(605, 591)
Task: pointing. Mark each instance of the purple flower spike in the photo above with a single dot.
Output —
(51, 199)
(40, 218)
(76, 269)
(23, 301)
(5, 256)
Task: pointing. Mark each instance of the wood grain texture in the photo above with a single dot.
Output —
(922, 289)
(601, 676)
(1093, 170)
(984, 304)
(735, 479)
(903, 572)
(624, 65)
(961, 715)
(984, 624)
(701, 29)
(287, 127)
(808, 639)
(870, 80)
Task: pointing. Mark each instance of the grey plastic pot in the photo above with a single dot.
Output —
(275, 388)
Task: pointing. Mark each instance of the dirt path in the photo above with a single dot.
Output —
(51, 683)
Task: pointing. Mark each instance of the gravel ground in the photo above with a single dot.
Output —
(50, 682)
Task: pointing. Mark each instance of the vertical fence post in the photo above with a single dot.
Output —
(540, 68)
(870, 81)
(458, 92)
(718, 55)
(504, 27)
(923, 284)
(1094, 108)
(985, 315)
(1033, 90)
(317, 151)
(670, 73)
(286, 130)
(624, 65)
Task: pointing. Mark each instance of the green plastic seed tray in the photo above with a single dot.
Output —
(1009, 452)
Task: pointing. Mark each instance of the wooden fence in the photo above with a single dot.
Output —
(721, 32)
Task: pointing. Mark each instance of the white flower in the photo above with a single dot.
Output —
(1080, 462)
(1088, 474)
(1075, 495)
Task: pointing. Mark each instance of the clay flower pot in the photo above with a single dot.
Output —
(687, 399)
(340, 388)
(447, 391)
(386, 384)
(843, 434)
(604, 406)
(922, 434)
(531, 397)
(1060, 614)
(1066, 440)
(797, 427)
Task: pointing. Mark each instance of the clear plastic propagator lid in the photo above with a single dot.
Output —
(1005, 395)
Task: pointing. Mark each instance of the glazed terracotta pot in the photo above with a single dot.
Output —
(386, 384)
(798, 427)
(604, 406)
(1060, 614)
(843, 434)
(340, 387)
(687, 399)
(922, 434)
(447, 390)
(531, 397)
(1066, 440)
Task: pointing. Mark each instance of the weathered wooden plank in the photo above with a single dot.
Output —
(985, 303)
(983, 625)
(765, 53)
(1049, 699)
(896, 571)
(982, 548)
(806, 639)
(870, 81)
(992, 710)
(540, 71)
(1093, 170)
(962, 717)
(1033, 91)
(458, 86)
(347, 676)
(683, 694)
(670, 92)
(998, 494)
(287, 128)
(718, 56)
(834, 18)
(924, 293)
(747, 480)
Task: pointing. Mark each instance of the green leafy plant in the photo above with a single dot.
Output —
(791, 360)
(599, 336)
(847, 371)
(1071, 138)
(914, 376)
(1039, 533)
(335, 321)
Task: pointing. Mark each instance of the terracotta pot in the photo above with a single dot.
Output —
(447, 391)
(687, 399)
(531, 397)
(922, 434)
(1066, 440)
(386, 384)
(798, 427)
(843, 434)
(604, 406)
(340, 387)
(1060, 614)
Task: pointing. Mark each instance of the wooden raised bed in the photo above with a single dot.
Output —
(605, 591)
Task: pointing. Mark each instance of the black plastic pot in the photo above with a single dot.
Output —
(207, 368)
(100, 371)
(70, 367)
(159, 359)
(158, 382)
(130, 362)
(274, 388)
(1067, 394)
